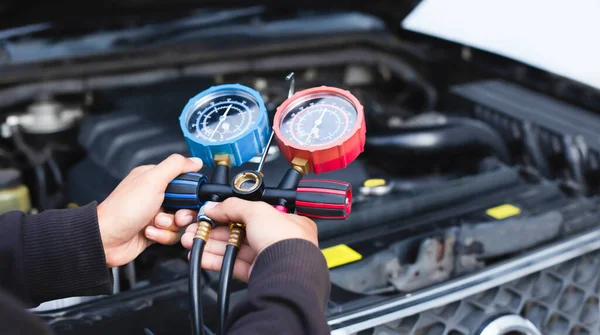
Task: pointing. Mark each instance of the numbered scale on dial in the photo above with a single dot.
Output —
(324, 125)
(318, 119)
(226, 119)
(223, 116)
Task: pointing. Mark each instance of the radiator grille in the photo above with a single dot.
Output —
(559, 300)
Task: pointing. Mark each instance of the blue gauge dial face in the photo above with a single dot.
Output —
(222, 116)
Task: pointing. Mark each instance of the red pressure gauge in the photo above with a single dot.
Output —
(324, 125)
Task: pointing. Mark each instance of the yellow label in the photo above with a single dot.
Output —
(339, 255)
(503, 211)
(374, 182)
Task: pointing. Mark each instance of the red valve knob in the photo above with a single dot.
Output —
(324, 199)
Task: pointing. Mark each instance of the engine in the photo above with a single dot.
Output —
(459, 178)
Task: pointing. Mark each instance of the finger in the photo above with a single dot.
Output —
(184, 217)
(191, 228)
(217, 247)
(172, 167)
(161, 236)
(165, 221)
(140, 169)
(213, 262)
(187, 240)
(218, 233)
(238, 210)
(221, 233)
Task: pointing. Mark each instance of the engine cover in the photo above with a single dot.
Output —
(118, 142)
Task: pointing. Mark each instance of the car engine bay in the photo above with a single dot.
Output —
(468, 167)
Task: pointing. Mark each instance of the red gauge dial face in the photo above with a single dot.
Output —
(318, 119)
(325, 126)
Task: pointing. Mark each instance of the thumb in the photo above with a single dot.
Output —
(172, 167)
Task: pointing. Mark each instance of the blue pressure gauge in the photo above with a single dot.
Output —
(226, 119)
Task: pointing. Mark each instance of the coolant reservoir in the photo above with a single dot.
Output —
(13, 194)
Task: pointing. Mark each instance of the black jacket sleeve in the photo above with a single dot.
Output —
(288, 292)
(52, 255)
(20, 322)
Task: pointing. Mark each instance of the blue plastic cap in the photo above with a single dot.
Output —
(182, 192)
(241, 148)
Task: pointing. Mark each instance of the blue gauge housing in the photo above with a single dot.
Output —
(243, 139)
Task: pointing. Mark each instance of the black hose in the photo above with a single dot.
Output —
(36, 161)
(452, 136)
(390, 210)
(55, 170)
(40, 176)
(231, 252)
(420, 184)
(410, 76)
(195, 286)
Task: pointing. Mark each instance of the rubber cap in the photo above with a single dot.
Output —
(182, 192)
(324, 199)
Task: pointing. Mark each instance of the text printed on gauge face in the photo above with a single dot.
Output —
(222, 117)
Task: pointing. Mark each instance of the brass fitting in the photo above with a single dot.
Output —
(222, 159)
(246, 177)
(236, 233)
(300, 165)
(204, 228)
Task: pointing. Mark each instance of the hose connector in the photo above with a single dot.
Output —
(205, 225)
(203, 230)
(236, 233)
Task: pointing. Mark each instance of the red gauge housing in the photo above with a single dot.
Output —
(330, 156)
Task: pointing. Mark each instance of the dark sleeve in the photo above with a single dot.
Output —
(21, 321)
(288, 292)
(52, 255)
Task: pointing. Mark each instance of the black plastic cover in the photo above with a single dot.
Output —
(508, 106)
(122, 141)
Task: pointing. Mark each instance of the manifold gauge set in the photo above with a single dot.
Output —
(317, 130)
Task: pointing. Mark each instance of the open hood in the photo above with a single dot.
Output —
(558, 37)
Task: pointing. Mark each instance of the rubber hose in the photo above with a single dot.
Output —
(195, 286)
(456, 134)
(420, 184)
(37, 164)
(390, 210)
(40, 176)
(231, 252)
(56, 173)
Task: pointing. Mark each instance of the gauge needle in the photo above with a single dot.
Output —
(315, 127)
(221, 119)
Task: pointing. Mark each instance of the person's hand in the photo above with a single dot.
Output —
(264, 226)
(130, 218)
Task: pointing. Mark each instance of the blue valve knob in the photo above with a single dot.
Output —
(182, 192)
(226, 119)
